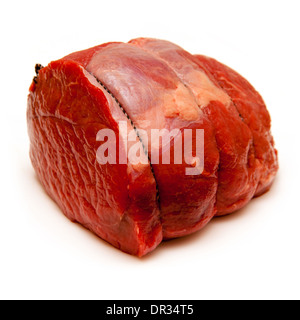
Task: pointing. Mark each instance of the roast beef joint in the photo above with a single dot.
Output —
(142, 141)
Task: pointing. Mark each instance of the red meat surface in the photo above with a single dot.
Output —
(147, 84)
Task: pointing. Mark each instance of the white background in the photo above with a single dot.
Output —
(252, 254)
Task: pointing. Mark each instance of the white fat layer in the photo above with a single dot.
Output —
(204, 89)
(180, 103)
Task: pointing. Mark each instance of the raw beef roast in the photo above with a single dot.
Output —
(125, 92)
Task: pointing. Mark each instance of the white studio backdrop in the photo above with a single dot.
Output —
(252, 254)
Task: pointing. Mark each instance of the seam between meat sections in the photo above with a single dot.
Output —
(233, 103)
(179, 78)
(136, 131)
(240, 116)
